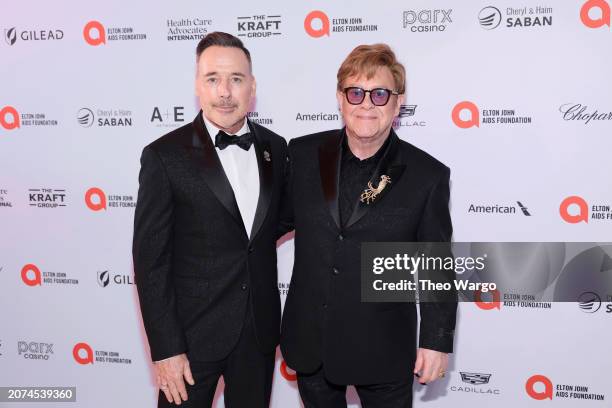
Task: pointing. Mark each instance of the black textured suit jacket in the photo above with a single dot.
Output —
(324, 320)
(195, 266)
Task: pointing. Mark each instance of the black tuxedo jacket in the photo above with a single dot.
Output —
(196, 268)
(324, 321)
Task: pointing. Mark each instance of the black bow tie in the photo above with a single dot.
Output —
(222, 140)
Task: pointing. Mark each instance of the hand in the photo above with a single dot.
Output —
(430, 365)
(170, 373)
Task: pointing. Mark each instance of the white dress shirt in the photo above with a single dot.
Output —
(242, 171)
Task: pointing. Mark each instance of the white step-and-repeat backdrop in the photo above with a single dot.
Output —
(514, 96)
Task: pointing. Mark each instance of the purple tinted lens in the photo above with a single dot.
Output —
(379, 96)
(355, 95)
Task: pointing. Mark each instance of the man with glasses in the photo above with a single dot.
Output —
(349, 186)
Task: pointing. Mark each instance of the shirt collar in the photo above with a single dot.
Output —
(213, 130)
(348, 155)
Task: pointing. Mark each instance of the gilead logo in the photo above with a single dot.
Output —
(30, 275)
(9, 118)
(495, 303)
(604, 9)
(95, 199)
(574, 201)
(530, 386)
(474, 119)
(94, 33)
(316, 32)
(82, 353)
(285, 372)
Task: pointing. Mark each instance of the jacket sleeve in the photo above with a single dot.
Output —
(438, 316)
(286, 223)
(152, 254)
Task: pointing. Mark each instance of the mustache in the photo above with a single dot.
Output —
(225, 104)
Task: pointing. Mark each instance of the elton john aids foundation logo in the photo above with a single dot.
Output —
(493, 303)
(316, 24)
(286, 372)
(595, 13)
(95, 199)
(31, 275)
(574, 209)
(94, 33)
(83, 353)
(463, 108)
(543, 384)
(9, 118)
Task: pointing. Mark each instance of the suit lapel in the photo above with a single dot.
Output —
(391, 165)
(266, 178)
(329, 168)
(213, 172)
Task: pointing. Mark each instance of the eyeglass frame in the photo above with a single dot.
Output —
(365, 91)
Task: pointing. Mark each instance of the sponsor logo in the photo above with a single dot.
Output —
(187, 29)
(104, 118)
(595, 13)
(84, 354)
(589, 302)
(105, 278)
(12, 35)
(427, 20)
(257, 117)
(47, 197)
(317, 24)
(406, 118)
(286, 372)
(5, 201)
(168, 117)
(317, 117)
(575, 209)
(540, 387)
(581, 113)
(97, 200)
(491, 17)
(95, 34)
(259, 26)
(32, 350)
(503, 209)
(31, 275)
(466, 114)
(475, 381)
(11, 119)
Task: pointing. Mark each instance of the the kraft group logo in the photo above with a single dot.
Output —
(9, 118)
(31, 275)
(94, 33)
(543, 383)
(472, 120)
(572, 203)
(494, 303)
(286, 372)
(316, 24)
(595, 13)
(95, 199)
(83, 353)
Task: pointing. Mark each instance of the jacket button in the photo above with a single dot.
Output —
(244, 286)
(340, 237)
(335, 271)
(324, 305)
(251, 250)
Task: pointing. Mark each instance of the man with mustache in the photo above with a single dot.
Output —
(349, 186)
(205, 233)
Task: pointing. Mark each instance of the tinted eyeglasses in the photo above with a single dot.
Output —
(378, 96)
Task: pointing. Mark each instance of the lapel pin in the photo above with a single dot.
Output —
(266, 155)
(369, 194)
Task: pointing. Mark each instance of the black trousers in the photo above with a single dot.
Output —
(317, 392)
(247, 373)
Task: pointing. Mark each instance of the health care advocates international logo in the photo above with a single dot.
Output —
(11, 35)
(317, 24)
(31, 275)
(105, 117)
(259, 26)
(11, 119)
(490, 17)
(466, 114)
(97, 200)
(84, 354)
(5, 201)
(187, 29)
(575, 209)
(540, 387)
(475, 381)
(427, 20)
(595, 13)
(96, 34)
